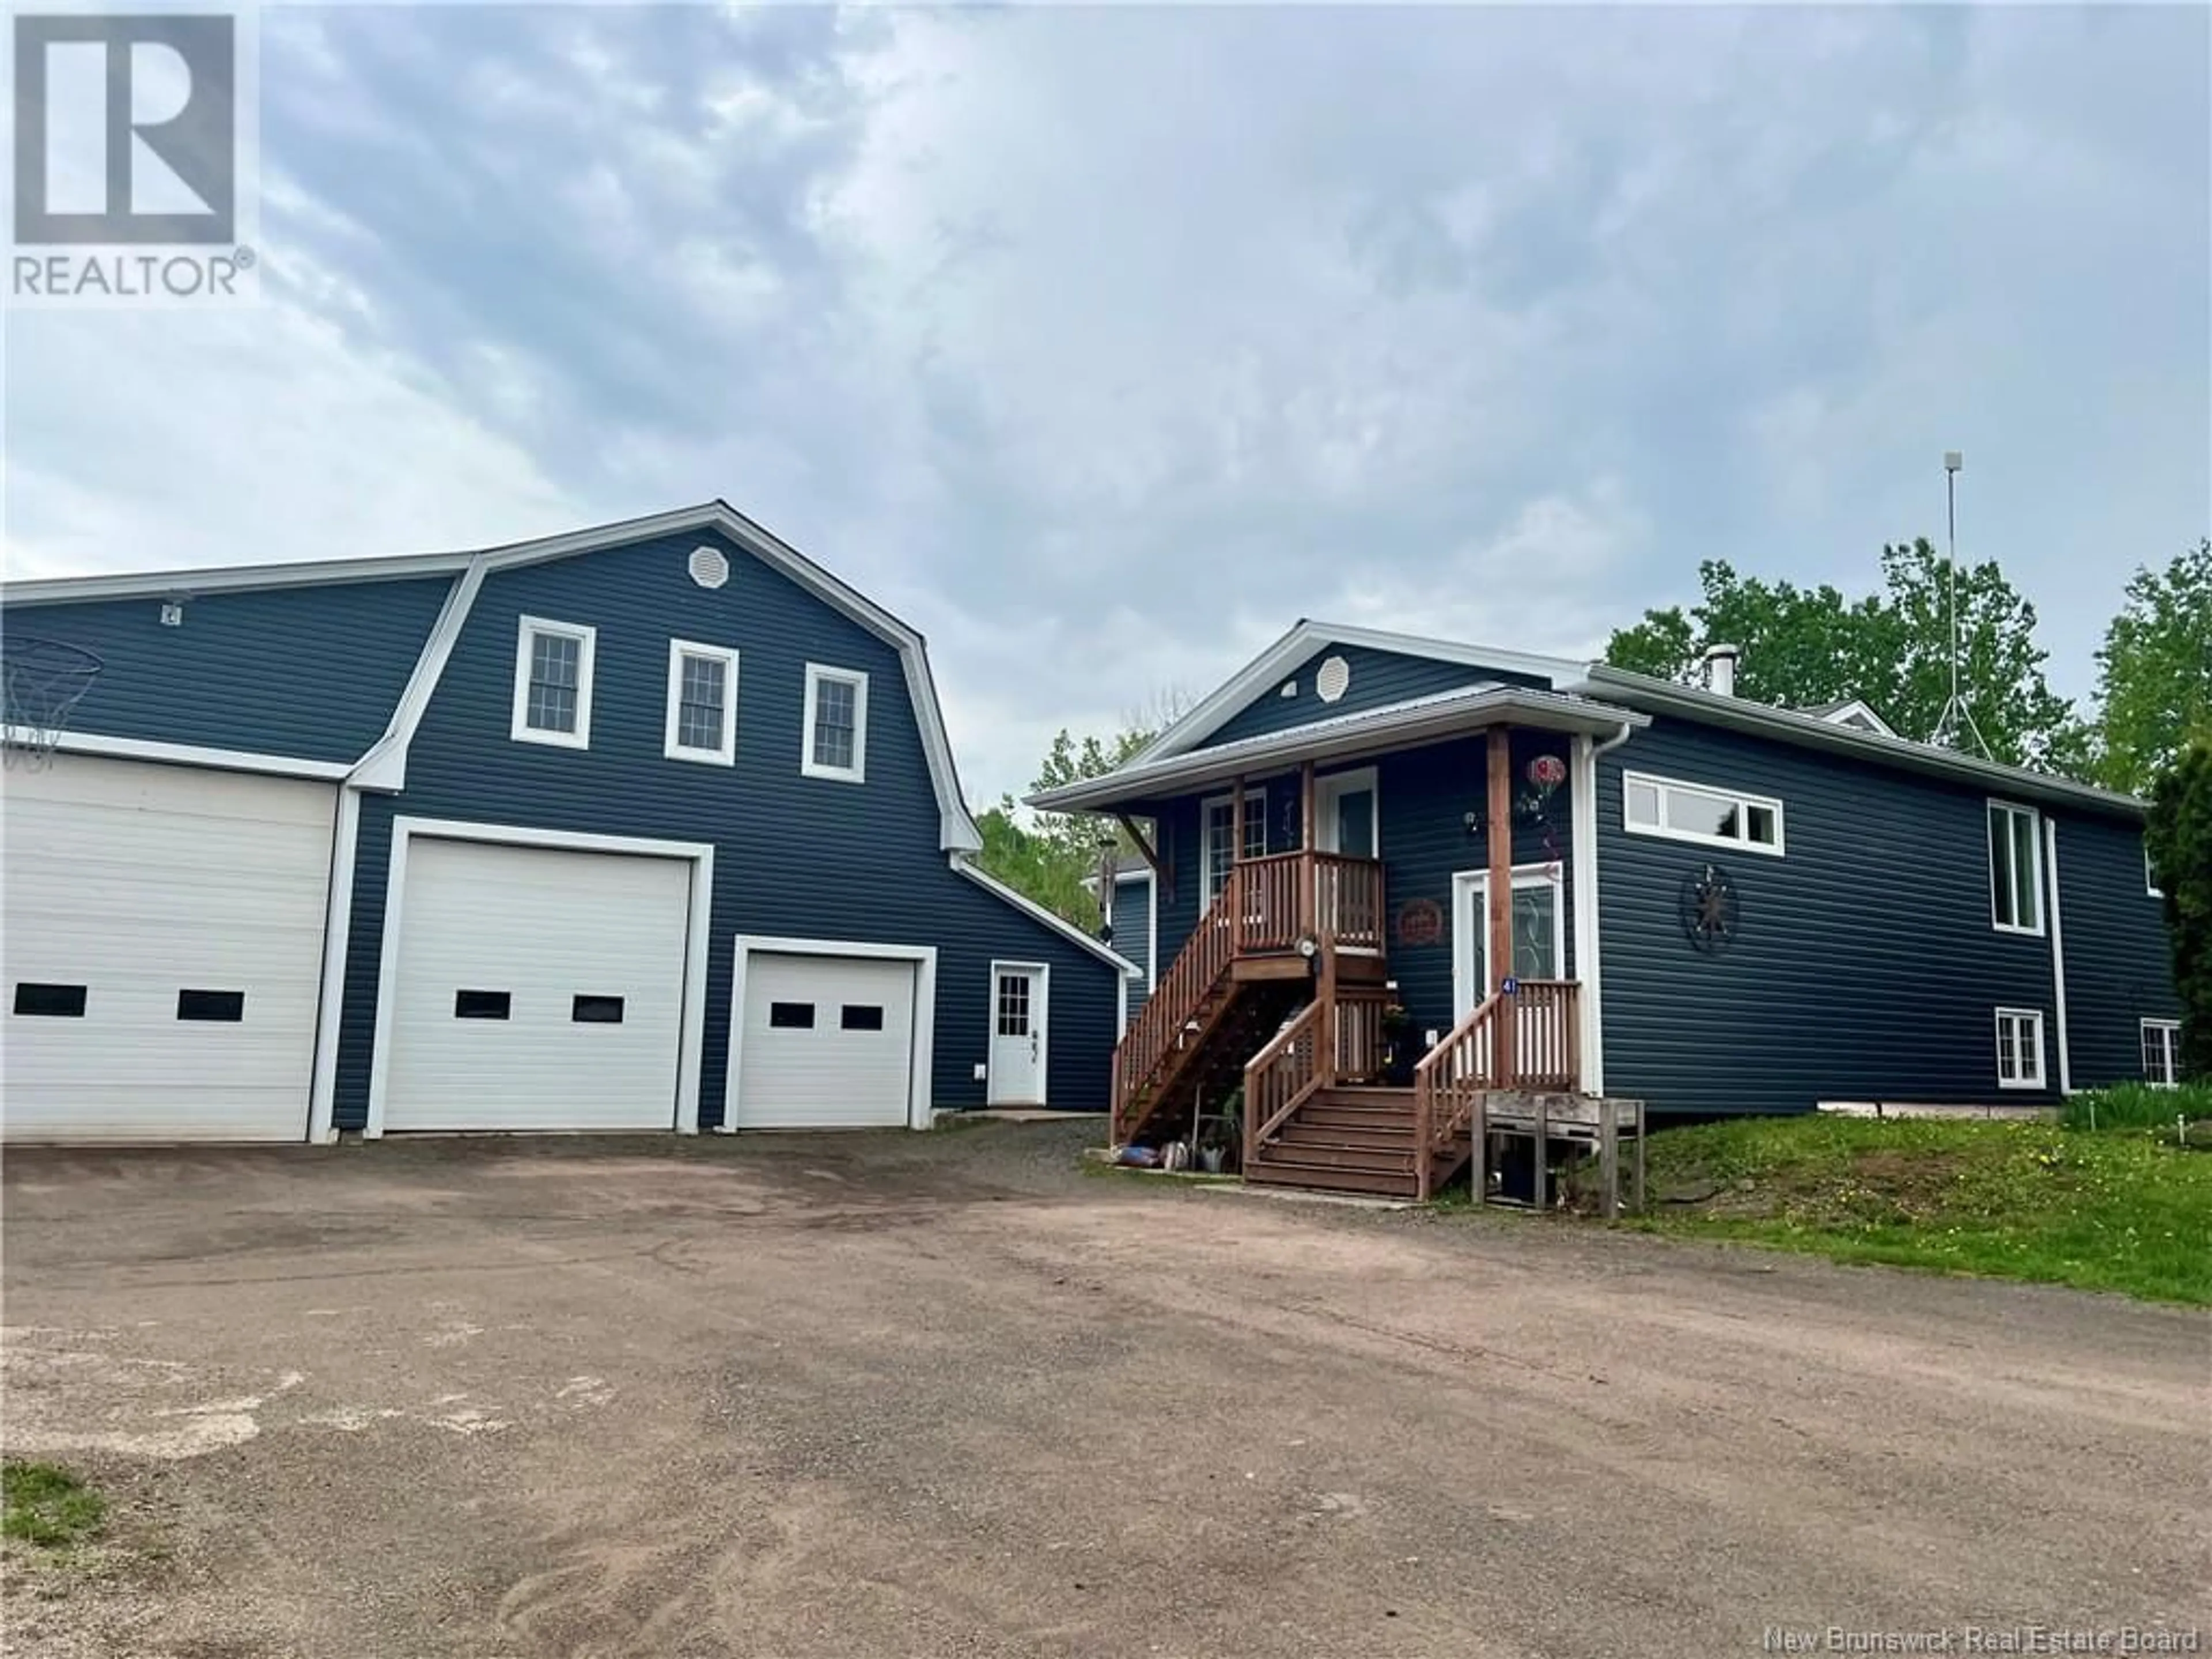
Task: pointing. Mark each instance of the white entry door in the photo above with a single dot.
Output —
(1539, 932)
(1346, 816)
(1018, 1034)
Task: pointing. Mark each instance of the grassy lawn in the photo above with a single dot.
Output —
(42, 1504)
(2110, 1210)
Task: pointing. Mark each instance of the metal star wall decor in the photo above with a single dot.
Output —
(1710, 914)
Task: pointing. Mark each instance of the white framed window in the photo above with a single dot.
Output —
(2016, 868)
(702, 703)
(834, 744)
(2162, 1052)
(553, 683)
(2150, 875)
(1219, 823)
(1694, 812)
(2019, 1048)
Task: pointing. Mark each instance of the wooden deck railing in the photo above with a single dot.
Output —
(1269, 915)
(1283, 1076)
(1157, 1030)
(1348, 901)
(1541, 1051)
(1359, 1035)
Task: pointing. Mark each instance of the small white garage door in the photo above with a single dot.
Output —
(163, 942)
(827, 1042)
(537, 989)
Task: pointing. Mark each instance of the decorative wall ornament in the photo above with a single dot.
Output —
(1420, 921)
(1710, 914)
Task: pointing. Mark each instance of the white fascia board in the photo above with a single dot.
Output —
(1038, 914)
(187, 754)
(1812, 731)
(1431, 720)
(385, 766)
(1305, 638)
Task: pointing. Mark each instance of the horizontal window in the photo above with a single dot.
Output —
(1699, 812)
(46, 1001)
(790, 1016)
(481, 1004)
(228, 1006)
(596, 1011)
(2016, 868)
(862, 1016)
(2020, 1047)
(2162, 1052)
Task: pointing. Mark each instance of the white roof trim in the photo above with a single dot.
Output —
(1266, 670)
(1816, 732)
(1856, 714)
(1038, 914)
(387, 756)
(1431, 719)
(187, 754)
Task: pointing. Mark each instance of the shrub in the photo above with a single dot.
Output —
(2137, 1106)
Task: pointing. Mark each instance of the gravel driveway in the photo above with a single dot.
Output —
(910, 1396)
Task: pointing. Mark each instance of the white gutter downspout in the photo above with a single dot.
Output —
(1582, 803)
(2058, 956)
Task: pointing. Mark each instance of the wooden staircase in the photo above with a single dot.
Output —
(1343, 1140)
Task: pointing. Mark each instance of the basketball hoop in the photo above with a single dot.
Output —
(40, 682)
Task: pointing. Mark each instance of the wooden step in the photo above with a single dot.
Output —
(1383, 1160)
(1355, 1117)
(1272, 1172)
(1381, 1137)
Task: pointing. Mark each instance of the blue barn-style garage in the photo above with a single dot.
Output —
(648, 827)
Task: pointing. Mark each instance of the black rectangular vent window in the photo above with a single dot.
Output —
(481, 1004)
(211, 1005)
(596, 1011)
(50, 1001)
(863, 1016)
(790, 1016)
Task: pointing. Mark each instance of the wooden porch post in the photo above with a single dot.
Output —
(1309, 873)
(1235, 883)
(1498, 771)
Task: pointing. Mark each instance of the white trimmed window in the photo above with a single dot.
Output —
(2019, 1048)
(2150, 875)
(2162, 1052)
(837, 735)
(553, 683)
(702, 703)
(1695, 811)
(1220, 825)
(2016, 868)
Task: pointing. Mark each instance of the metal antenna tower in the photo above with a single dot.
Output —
(1957, 719)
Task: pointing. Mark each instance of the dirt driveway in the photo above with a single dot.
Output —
(909, 1395)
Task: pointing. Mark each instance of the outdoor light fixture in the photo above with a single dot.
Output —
(172, 613)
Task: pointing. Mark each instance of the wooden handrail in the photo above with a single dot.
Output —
(1158, 1028)
(1545, 1054)
(1283, 1076)
(1347, 901)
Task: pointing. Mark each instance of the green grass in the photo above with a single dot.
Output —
(43, 1504)
(2137, 1106)
(2109, 1210)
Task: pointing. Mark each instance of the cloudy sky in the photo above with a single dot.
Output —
(1104, 344)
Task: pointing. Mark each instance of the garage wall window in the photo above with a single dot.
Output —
(481, 1005)
(46, 1001)
(790, 1016)
(702, 703)
(596, 1011)
(553, 683)
(227, 1005)
(837, 735)
(862, 1017)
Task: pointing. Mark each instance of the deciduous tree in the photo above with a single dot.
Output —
(2155, 671)
(2179, 837)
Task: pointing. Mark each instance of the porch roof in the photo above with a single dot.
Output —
(1407, 725)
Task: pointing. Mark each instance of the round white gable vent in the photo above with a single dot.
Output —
(1333, 680)
(709, 567)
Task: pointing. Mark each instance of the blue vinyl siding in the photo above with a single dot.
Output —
(1866, 966)
(1132, 931)
(312, 673)
(1379, 678)
(2120, 968)
(794, 855)
(1425, 794)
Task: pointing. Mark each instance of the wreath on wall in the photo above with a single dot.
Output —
(1711, 915)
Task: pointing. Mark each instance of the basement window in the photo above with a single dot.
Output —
(226, 1006)
(2019, 1048)
(481, 1005)
(1674, 811)
(2161, 1053)
(596, 1011)
(790, 1016)
(862, 1016)
(45, 1001)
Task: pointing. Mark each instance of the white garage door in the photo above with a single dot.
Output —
(537, 989)
(163, 945)
(827, 1042)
